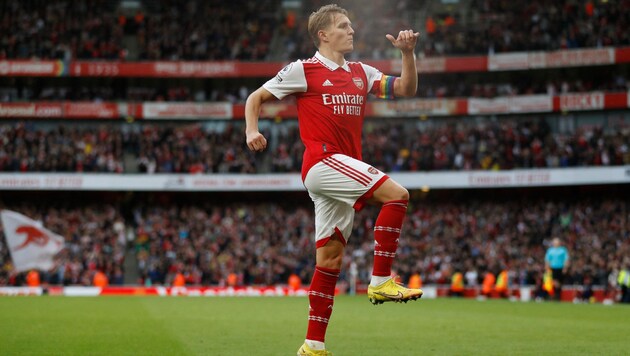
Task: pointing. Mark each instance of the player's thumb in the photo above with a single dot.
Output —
(391, 38)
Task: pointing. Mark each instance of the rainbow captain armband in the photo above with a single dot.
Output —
(386, 87)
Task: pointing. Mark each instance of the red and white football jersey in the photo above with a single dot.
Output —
(330, 103)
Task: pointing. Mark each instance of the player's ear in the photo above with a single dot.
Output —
(323, 36)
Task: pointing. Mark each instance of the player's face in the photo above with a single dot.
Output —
(341, 34)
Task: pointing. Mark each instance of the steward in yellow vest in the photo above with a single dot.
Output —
(457, 284)
(502, 284)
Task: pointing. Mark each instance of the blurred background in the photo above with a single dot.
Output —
(121, 129)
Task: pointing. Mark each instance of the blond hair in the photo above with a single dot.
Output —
(321, 19)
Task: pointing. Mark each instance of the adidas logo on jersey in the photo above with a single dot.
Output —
(327, 83)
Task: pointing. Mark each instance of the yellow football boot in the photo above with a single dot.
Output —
(307, 351)
(391, 291)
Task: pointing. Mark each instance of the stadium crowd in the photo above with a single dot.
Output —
(60, 29)
(202, 30)
(493, 145)
(164, 30)
(191, 149)
(245, 30)
(458, 87)
(237, 243)
(544, 25)
(393, 146)
(13, 89)
(485, 28)
(26, 148)
(429, 87)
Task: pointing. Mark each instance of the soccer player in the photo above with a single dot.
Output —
(331, 96)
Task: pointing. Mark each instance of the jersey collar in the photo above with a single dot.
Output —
(330, 64)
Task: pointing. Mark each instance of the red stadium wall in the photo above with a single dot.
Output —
(236, 69)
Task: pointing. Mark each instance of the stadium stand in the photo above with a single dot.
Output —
(480, 26)
(214, 30)
(452, 144)
(60, 29)
(263, 243)
(110, 89)
(193, 30)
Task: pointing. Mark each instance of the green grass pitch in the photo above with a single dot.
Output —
(276, 326)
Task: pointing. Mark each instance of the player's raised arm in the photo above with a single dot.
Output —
(407, 83)
(255, 140)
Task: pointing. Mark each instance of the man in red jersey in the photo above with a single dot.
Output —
(331, 95)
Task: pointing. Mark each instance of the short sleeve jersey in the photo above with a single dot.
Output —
(331, 101)
(557, 257)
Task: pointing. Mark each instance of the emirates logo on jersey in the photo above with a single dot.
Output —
(358, 82)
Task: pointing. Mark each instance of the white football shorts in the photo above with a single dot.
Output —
(339, 185)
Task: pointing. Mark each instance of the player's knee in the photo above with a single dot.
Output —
(404, 194)
(331, 254)
(331, 261)
(391, 192)
(400, 193)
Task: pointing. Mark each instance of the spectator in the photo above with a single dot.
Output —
(32, 279)
(100, 279)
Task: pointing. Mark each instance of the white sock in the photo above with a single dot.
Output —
(315, 345)
(378, 280)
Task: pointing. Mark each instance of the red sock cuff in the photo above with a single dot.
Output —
(328, 271)
(401, 203)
